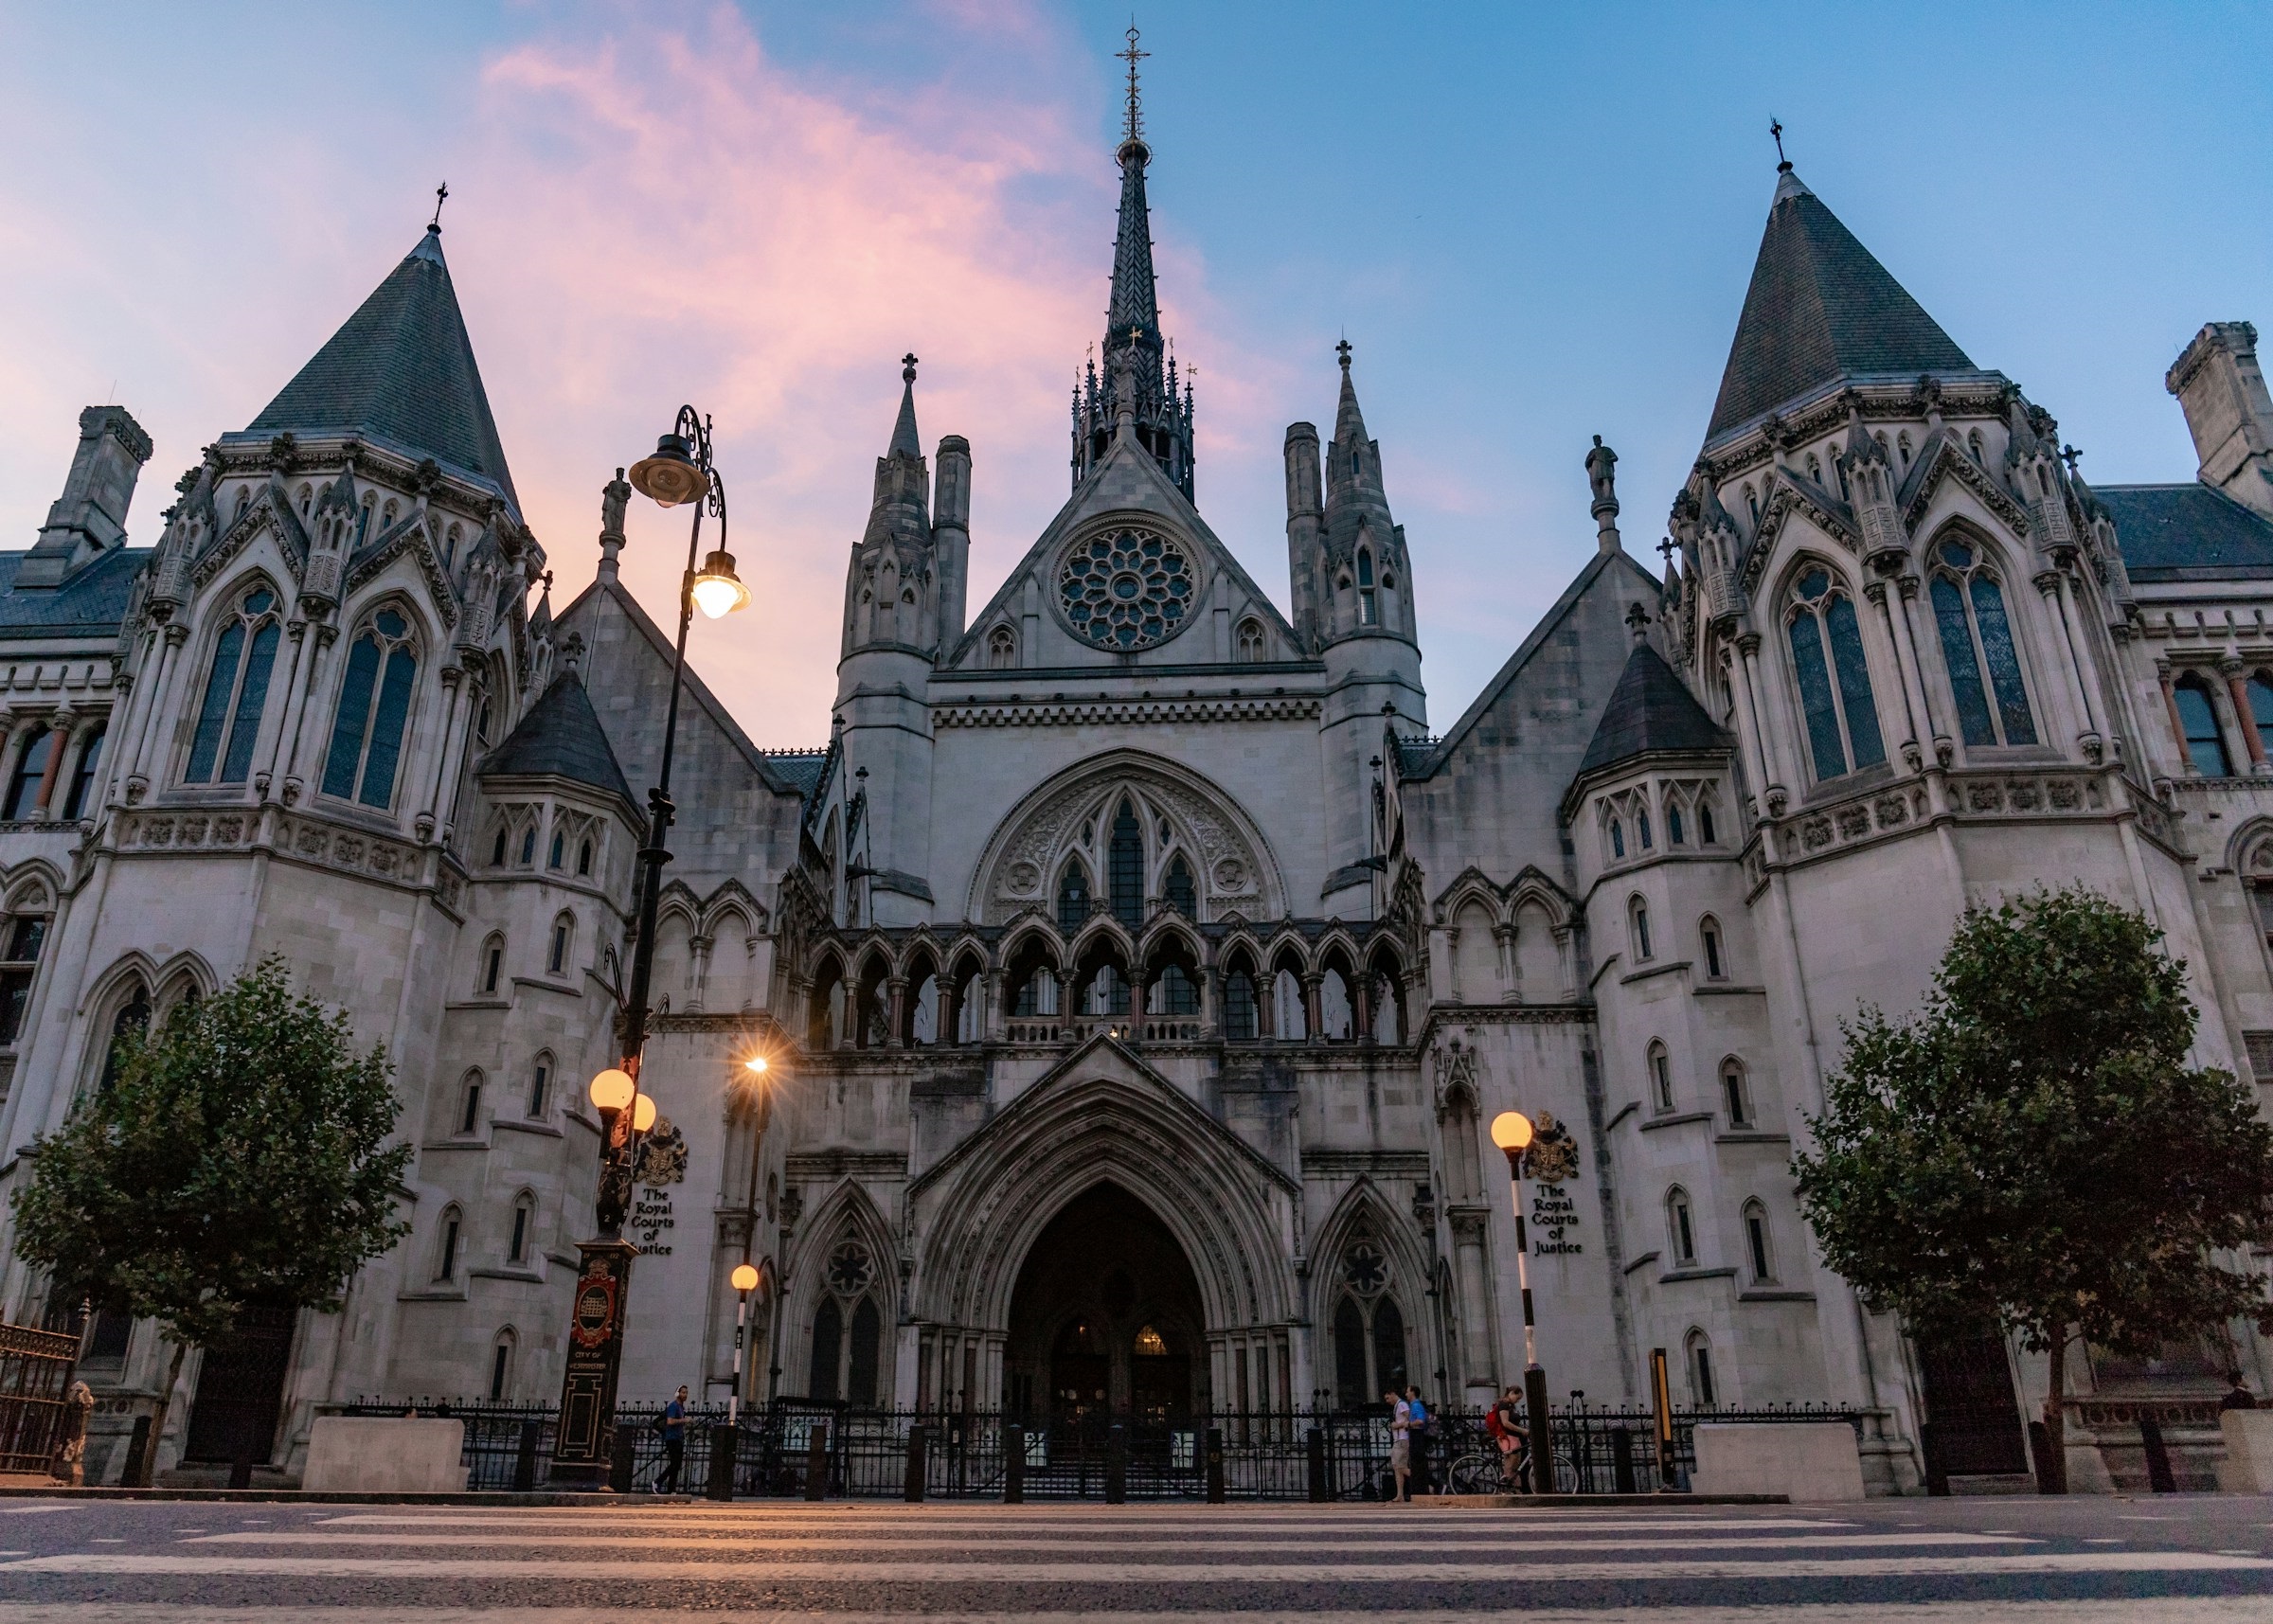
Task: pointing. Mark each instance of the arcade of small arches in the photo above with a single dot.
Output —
(1172, 982)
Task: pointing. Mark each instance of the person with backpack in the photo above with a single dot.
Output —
(1504, 1421)
(1401, 1444)
(1417, 1412)
(672, 1424)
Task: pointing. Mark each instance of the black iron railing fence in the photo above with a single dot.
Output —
(866, 1453)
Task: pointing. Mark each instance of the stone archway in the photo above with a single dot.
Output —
(1106, 1316)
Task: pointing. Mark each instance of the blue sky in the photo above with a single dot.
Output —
(1535, 225)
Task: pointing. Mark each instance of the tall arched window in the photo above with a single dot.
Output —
(1709, 938)
(1736, 1098)
(1290, 1019)
(1702, 1389)
(1638, 926)
(1661, 1077)
(491, 973)
(1368, 1330)
(1250, 642)
(82, 776)
(525, 1228)
(132, 1020)
(1002, 648)
(539, 1086)
(1240, 1014)
(1124, 867)
(1073, 897)
(1835, 679)
(374, 708)
(564, 935)
(31, 771)
(2205, 739)
(1680, 1226)
(228, 717)
(1977, 646)
(24, 935)
(452, 1232)
(1618, 839)
(1759, 1245)
(1368, 605)
(1182, 893)
(846, 1366)
(560, 849)
(2261, 713)
(501, 1365)
(469, 1104)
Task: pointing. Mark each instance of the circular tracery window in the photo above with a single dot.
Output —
(1127, 589)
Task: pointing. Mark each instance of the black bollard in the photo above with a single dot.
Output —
(240, 1460)
(1215, 1465)
(1621, 1460)
(2159, 1476)
(621, 1465)
(1013, 1464)
(912, 1489)
(722, 1462)
(1117, 1465)
(816, 1462)
(1313, 1445)
(524, 1459)
(138, 1445)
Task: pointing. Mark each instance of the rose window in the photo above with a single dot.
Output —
(1127, 590)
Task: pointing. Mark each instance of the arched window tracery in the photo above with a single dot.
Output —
(132, 1020)
(1834, 675)
(372, 714)
(1241, 1011)
(228, 715)
(848, 1329)
(1369, 1329)
(1073, 897)
(1977, 648)
(1250, 648)
(1181, 892)
(1124, 871)
(1002, 648)
(1368, 606)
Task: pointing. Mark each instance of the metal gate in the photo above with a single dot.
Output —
(1972, 1420)
(241, 1388)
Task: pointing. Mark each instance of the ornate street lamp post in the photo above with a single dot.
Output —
(679, 473)
(745, 1281)
(1512, 1133)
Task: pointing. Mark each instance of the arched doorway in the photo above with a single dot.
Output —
(1105, 1317)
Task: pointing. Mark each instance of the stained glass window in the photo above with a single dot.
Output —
(1834, 675)
(236, 690)
(366, 739)
(1977, 638)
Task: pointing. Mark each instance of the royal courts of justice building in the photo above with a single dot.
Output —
(1137, 956)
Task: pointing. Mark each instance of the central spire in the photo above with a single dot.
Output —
(1137, 379)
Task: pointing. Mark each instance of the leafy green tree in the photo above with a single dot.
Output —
(239, 1156)
(2031, 1151)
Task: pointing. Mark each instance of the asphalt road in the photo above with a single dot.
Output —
(2167, 1561)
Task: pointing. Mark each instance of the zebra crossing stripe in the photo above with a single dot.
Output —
(1404, 1548)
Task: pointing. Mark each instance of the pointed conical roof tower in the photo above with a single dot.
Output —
(400, 373)
(1138, 379)
(1822, 311)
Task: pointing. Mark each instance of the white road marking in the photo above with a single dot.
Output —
(37, 1510)
(858, 1547)
(635, 1521)
(2167, 1610)
(647, 1573)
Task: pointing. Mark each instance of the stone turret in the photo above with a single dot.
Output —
(89, 518)
(2222, 390)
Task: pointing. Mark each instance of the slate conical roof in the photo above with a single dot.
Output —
(1821, 309)
(561, 737)
(401, 373)
(1135, 308)
(1650, 710)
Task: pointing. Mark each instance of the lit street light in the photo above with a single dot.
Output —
(680, 472)
(1512, 1133)
(744, 1279)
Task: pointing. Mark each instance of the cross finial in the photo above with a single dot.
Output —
(1665, 550)
(1776, 130)
(1342, 351)
(2070, 456)
(907, 368)
(1133, 56)
(441, 195)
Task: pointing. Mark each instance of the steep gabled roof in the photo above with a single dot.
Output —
(401, 373)
(561, 737)
(2187, 532)
(91, 603)
(1650, 710)
(1821, 310)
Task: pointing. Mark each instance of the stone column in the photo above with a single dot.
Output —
(2095, 741)
(2170, 711)
(1451, 963)
(59, 729)
(454, 689)
(1912, 708)
(895, 990)
(1511, 967)
(2229, 724)
(698, 955)
(2068, 692)
(1774, 795)
(296, 632)
(991, 1015)
(1748, 728)
(138, 774)
(1312, 1015)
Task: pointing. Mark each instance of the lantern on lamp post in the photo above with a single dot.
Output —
(1512, 1132)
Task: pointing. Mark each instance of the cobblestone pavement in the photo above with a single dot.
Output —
(2169, 1561)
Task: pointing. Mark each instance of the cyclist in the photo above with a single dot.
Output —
(1504, 1423)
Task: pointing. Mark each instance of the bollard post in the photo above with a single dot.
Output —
(621, 1468)
(1013, 1463)
(1215, 1465)
(722, 1462)
(1661, 1404)
(1313, 1445)
(1117, 1465)
(524, 1459)
(138, 1445)
(2159, 1476)
(912, 1489)
(816, 1462)
(240, 1460)
(1621, 1460)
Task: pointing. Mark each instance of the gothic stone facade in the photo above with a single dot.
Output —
(1137, 968)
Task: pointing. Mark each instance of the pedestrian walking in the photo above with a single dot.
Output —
(672, 1424)
(1417, 1414)
(1504, 1421)
(1400, 1442)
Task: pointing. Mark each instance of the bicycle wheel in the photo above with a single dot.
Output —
(1567, 1475)
(1473, 1473)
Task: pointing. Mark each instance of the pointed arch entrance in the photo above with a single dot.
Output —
(1106, 1316)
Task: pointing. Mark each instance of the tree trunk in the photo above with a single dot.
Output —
(157, 1417)
(2052, 1470)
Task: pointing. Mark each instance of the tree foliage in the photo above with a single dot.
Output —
(240, 1156)
(2031, 1151)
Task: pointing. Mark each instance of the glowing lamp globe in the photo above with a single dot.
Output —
(671, 475)
(717, 590)
(643, 1113)
(745, 1278)
(755, 1064)
(1510, 1131)
(612, 1090)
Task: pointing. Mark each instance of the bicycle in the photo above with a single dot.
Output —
(1479, 1472)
